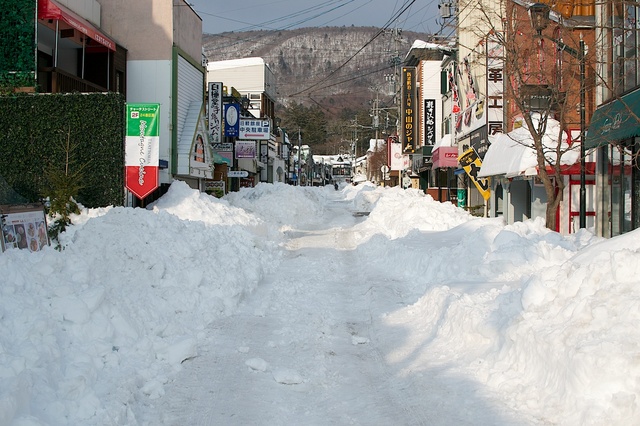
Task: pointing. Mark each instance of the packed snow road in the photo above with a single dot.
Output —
(276, 305)
(313, 345)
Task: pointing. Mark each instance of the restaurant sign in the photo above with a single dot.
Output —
(142, 149)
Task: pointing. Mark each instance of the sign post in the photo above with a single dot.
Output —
(142, 149)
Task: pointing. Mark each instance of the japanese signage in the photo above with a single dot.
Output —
(247, 182)
(480, 141)
(397, 160)
(409, 111)
(23, 227)
(227, 146)
(495, 85)
(213, 186)
(245, 149)
(471, 164)
(455, 99)
(232, 120)
(142, 149)
(215, 112)
(256, 129)
(430, 121)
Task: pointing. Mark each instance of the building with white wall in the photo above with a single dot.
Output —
(254, 81)
(165, 66)
(426, 59)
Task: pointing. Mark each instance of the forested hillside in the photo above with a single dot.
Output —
(329, 73)
(319, 63)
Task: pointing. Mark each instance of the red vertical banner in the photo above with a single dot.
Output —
(142, 149)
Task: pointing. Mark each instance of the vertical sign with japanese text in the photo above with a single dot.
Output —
(215, 112)
(409, 110)
(471, 163)
(495, 85)
(429, 121)
(142, 149)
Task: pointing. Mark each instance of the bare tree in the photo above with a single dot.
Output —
(377, 159)
(542, 82)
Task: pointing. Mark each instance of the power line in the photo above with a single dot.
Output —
(393, 18)
(283, 18)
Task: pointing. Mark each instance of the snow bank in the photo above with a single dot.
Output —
(123, 305)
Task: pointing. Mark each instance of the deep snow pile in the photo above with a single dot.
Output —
(83, 330)
(546, 323)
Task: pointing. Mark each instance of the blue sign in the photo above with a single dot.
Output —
(232, 120)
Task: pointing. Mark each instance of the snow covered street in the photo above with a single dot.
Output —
(278, 306)
(312, 346)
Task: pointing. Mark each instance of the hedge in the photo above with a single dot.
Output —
(17, 43)
(33, 134)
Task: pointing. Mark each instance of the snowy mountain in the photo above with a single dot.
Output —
(349, 61)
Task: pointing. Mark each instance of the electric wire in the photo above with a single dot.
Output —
(393, 18)
(286, 17)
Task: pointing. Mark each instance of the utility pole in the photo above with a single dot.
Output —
(355, 147)
(299, 158)
(395, 61)
(375, 114)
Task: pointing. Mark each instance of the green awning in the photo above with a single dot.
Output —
(615, 121)
(218, 159)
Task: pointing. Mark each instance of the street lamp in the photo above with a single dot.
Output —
(539, 14)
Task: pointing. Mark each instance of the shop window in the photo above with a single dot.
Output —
(625, 38)
(624, 179)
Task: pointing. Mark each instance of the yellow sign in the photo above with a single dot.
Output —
(471, 164)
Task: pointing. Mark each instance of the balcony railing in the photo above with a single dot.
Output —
(59, 81)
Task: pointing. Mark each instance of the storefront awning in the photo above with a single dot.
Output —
(615, 121)
(445, 156)
(508, 157)
(512, 154)
(48, 9)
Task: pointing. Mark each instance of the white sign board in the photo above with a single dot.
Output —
(255, 129)
(237, 173)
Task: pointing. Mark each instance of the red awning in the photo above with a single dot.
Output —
(445, 156)
(48, 9)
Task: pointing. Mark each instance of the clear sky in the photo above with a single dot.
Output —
(222, 15)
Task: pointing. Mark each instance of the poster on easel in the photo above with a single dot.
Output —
(24, 227)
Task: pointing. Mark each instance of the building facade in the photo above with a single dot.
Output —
(614, 131)
(166, 67)
(254, 82)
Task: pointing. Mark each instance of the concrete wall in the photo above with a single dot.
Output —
(143, 27)
(88, 9)
(150, 82)
(246, 76)
(187, 30)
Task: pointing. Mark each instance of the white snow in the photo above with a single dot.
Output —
(277, 305)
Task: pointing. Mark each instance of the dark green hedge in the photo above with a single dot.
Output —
(33, 135)
(17, 43)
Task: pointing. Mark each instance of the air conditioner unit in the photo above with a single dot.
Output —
(445, 10)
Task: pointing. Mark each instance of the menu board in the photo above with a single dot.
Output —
(24, 227)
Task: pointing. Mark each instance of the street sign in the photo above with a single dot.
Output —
(142, 149)
(237, 173)
(471, 163)
(223, 147)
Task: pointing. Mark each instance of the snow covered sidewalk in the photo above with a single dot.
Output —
(276, 305)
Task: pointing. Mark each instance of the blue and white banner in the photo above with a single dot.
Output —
(231, 120)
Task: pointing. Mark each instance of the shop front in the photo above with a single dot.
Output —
(615, 132)
(444, 163)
